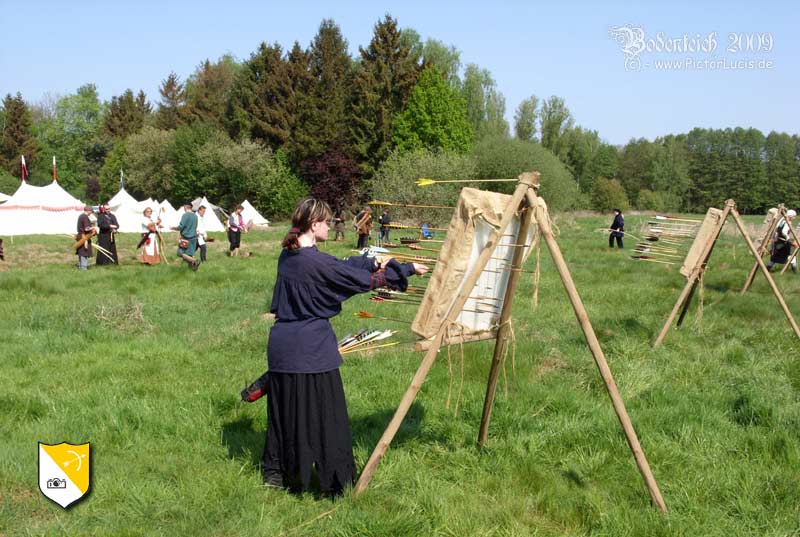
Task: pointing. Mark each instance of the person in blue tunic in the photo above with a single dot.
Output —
(617, 229)
(307, 422)
(188, 239)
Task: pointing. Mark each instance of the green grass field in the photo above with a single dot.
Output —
(146, 363)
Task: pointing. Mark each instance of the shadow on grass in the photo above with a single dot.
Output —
(635, 327)
(367, 430)
(244, 441)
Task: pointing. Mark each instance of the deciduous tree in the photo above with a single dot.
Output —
(525, 119)
(435, 117)
(556, 122)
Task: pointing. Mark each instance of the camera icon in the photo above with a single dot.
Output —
(56, 483)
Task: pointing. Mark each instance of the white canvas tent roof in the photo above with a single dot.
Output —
(45, 210)
(3, 197)
(211, 220)
(122, 198)
(128, 211)
(169, 215)
(251, 215)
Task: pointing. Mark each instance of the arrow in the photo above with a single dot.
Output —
(403, 226)
(424, 181)
(660, 217)
(387, 204)
(648, 258)
(367, 315)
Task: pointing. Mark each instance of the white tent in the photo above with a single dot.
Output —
(122, 198)
(251, 215)
(3, 197)
(168, 214)
(46, 210)
(128, 211)
(211, 220)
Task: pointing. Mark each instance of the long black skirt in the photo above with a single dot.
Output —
(781, 250)
(105, 240)
(307, 425)
(235, 239)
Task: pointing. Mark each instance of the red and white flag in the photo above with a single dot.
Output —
(24, 169)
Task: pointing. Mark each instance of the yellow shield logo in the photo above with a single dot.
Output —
(64, 471)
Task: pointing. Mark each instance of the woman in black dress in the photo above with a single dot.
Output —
(307, 422)
(106, 237)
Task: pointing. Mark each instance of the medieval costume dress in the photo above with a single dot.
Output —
(108, 225)
(307, 422)
(363, 224)
(235, 226)
(85, 225)
(781, 245)
(151, 253)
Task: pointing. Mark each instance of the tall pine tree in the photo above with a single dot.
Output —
(208, 91)
(332, 71)
(258, 107)
(126, 114)
(170, 111)
(300, 105)
(385, 78)
(17, 137)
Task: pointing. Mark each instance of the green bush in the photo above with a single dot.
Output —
(201, 160)
(608, 195)
(647, 200)
(395, 180)
(501, 158)
(8, 183)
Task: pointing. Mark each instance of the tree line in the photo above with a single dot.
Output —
(284, 123)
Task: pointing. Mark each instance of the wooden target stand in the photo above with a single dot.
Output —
(698, 267)
(523, 199)
(764, 245)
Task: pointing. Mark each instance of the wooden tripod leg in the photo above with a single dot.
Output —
(452, 314)
(683, 298)
(502, 332)
(761, 248)
(688, 302)
(763, 267)
(693, 277)
(599, 357)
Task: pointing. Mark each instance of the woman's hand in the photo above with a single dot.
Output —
(419, 269)
(383, 261)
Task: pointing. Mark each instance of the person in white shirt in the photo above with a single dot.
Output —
(201, 232)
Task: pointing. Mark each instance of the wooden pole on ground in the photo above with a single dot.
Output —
(694, 276)
(502, 331)
(763, 267)
(762, 247)
(597, 352)
(527, 181)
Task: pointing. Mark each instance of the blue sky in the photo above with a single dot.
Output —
(531, 48)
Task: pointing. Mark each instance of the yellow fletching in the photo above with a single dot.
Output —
(422, 181)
